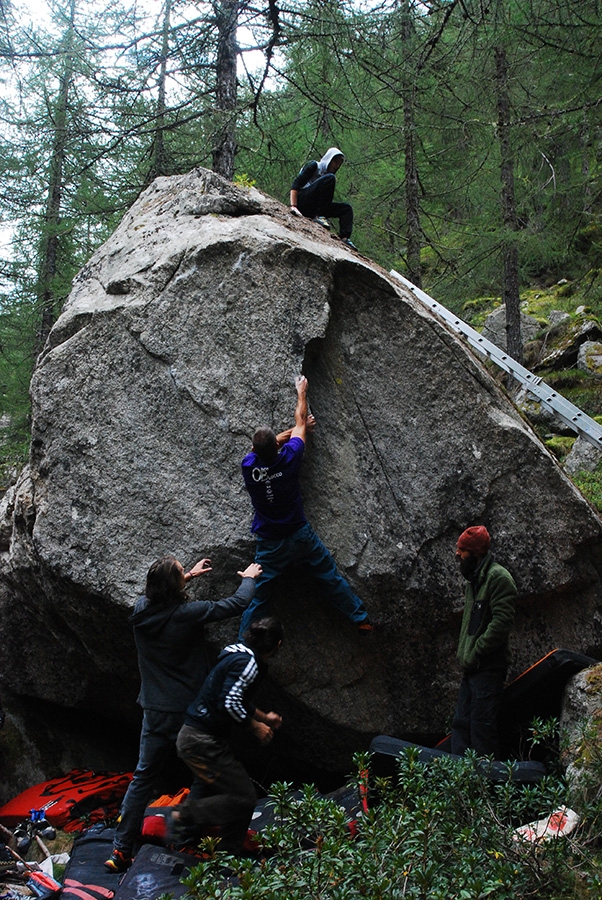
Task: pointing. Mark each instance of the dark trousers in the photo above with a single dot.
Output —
(475, 721)
(304, 546)
(316, 200)
(228, 796)
(157, 739)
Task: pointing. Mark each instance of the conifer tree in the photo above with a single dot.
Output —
(51, 225)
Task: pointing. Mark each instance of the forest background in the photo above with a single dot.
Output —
(472, 134)
(471, 129)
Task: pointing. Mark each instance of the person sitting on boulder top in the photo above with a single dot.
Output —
(284, 536)
(227, 795)
(483, 653)
(173, 662)
(312, 192)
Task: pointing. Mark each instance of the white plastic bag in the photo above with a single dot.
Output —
(558, 824)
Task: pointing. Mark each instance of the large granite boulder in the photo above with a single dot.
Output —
(181, 335)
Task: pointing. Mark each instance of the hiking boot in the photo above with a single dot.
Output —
(181, 832)
(118, 861)
(349, 243)
(323, 221)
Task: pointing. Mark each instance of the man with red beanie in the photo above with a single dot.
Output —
(483, 652)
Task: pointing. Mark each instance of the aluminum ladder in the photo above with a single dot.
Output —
(550, 399)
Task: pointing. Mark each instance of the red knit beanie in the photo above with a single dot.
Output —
(475, 539)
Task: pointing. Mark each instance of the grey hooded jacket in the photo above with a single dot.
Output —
(170, 640)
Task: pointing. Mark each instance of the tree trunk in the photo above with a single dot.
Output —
(414, 234)
(158, 161)
(224, 141)
(414, 241)
(510, 288)
(52, 219)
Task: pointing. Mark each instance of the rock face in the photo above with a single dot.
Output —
(182, 334)
(581, 733)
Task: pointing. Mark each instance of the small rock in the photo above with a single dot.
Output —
(590, 358)
(494, 328)
(584, 457)
(557, 315)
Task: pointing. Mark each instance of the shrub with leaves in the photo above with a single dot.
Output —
(436, 831)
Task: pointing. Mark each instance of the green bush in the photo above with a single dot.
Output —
(438, 831)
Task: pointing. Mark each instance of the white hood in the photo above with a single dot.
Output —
(327, 159)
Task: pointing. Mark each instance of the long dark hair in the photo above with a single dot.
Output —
(165, 581)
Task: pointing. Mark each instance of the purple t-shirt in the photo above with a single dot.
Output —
(275, 491)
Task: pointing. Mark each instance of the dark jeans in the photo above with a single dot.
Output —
(475, 721)
(316, 200)
(303, 546)
(157, 740)
(228, 796)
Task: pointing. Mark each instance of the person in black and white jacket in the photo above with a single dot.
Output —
(225, 701)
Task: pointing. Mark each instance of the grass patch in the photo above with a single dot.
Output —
(579, 388)
(590, 485)
(476, 311)
(560, 445)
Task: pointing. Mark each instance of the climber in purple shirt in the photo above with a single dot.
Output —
(284, 536)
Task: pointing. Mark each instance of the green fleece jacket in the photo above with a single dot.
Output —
(488, 615)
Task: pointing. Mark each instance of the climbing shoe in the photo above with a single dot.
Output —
(118, 861)
(349, 243)
(367, 626)
(321, 220)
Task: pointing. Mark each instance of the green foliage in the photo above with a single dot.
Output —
(579, 387)
(17, 331)
(560, 445)
(590, 485)
(476, 311)
(588, 241)
(141, 102)
(243, 180)
(582, 748)
(544, 733)
(435, 832)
